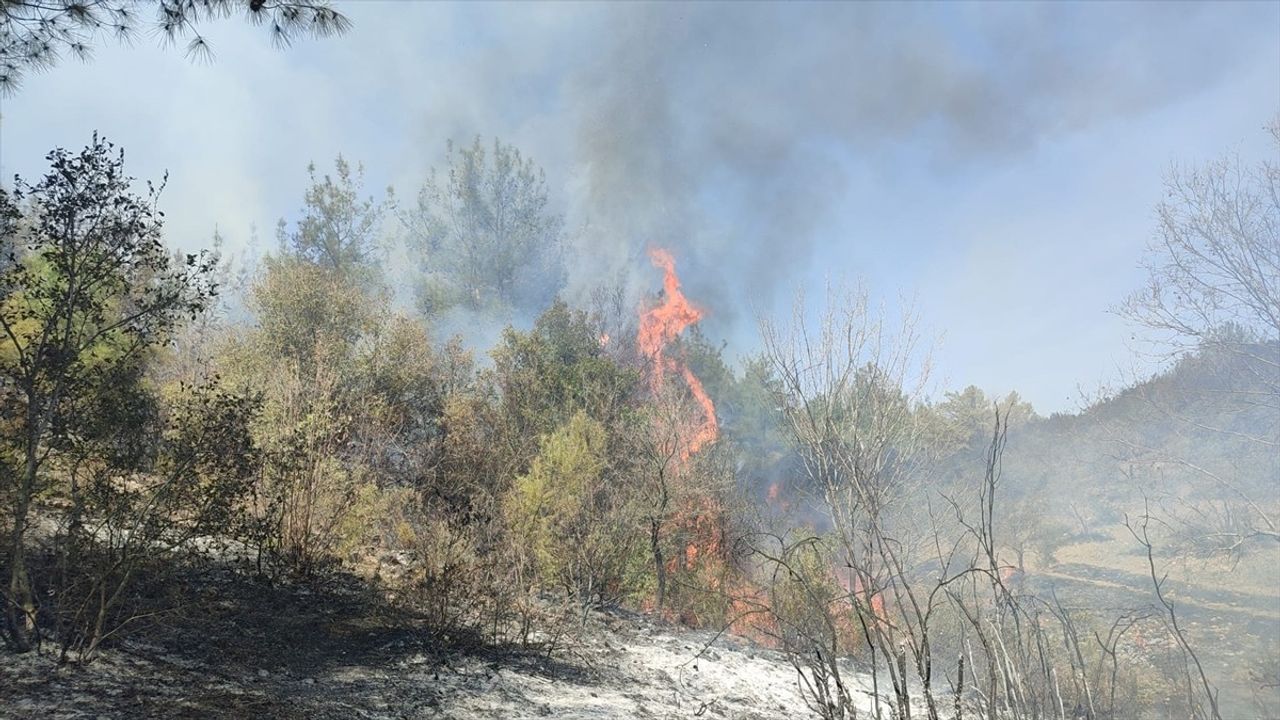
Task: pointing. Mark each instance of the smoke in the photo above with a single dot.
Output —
(735, 135)
(727, 132)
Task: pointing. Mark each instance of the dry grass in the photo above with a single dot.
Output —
(1256, 574)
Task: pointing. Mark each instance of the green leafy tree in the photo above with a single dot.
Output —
(303, 310)
(967, 414)
(405, 384)
(87, 287)
(354, 396)
(321, 293)
(556, 369)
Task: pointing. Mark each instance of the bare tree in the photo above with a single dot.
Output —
(1213, 296)
(912, 573)
(850, 389)
(1214, 272)
(1138, 528)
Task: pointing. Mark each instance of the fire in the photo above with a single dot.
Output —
(775, 498)
(1006, 573)
(699, 519)
(876, 599)
(658, 327)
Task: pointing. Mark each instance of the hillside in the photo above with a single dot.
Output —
(1190, 445)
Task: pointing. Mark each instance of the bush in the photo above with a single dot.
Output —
(573, 526)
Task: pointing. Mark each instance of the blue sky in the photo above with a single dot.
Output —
(999, 163)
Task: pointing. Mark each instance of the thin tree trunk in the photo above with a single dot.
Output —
(19, 611)
(659, 566)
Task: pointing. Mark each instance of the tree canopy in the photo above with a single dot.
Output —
(484, 234)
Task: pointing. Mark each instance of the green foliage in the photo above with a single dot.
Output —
(356, 398)
(547, 500)
(338, 229)
(127, 510)
(806, 600)
(752, 419)
(309, 482)
(304, 309)
(322, 293)
(706, 360)
(318, 319)
(405, 384)
(86, 280)
(568, 518)
(335, 431)
(555, 370)
(485, 235)
(753, 409)
(87, 291)
(967, 415)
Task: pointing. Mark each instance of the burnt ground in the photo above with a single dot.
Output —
(227, 645)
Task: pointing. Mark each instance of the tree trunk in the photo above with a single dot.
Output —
(904, 691)
(659, 566)
(19, 608)
(69, 560)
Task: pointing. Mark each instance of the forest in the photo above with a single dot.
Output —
(231, 459)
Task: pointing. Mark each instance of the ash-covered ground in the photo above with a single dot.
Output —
(302, 652)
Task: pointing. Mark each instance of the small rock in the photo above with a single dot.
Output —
(309, 681)
(264, 673)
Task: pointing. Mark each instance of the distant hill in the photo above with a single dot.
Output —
(1205, 431)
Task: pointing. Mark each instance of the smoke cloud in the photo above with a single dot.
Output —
(759, 142)
(726, 132)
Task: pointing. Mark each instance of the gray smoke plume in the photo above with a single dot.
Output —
(736, 134)
(723, 131)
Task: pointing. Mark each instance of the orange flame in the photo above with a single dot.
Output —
(877, 598)
(775, 499)
(658, 327)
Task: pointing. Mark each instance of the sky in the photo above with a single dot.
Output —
(996, 165)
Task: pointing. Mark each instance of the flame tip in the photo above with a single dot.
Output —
(658, 327)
